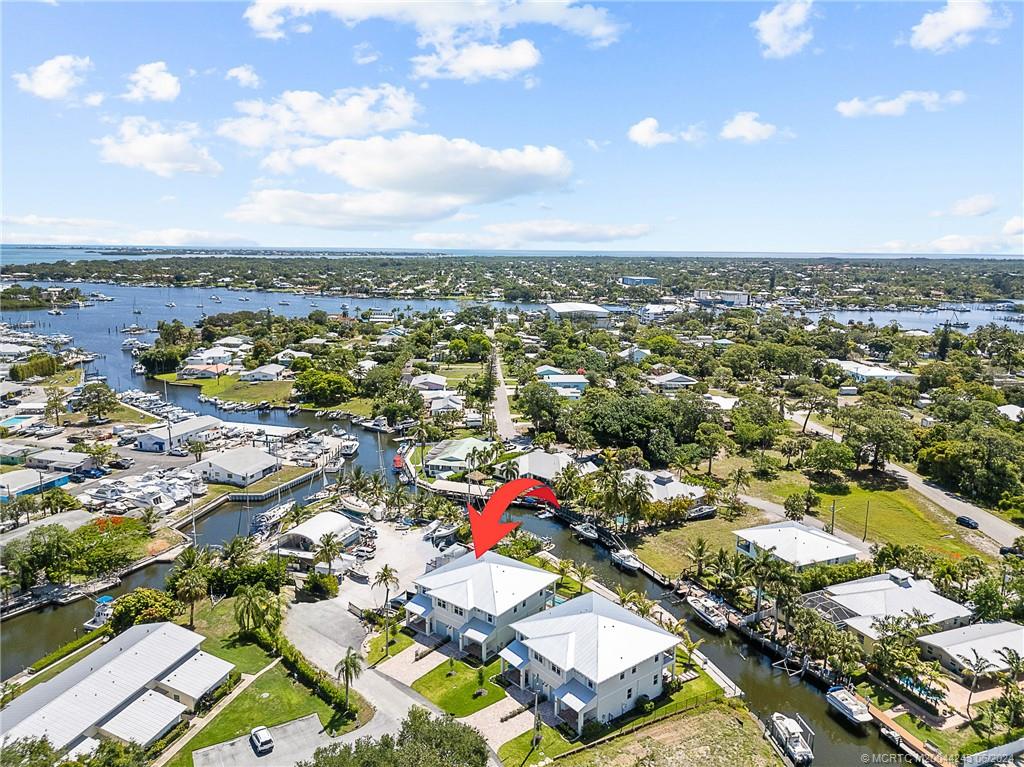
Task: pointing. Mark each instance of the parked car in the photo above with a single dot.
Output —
(967, 522)
(1011, 551)
(179, 452)
(122, 463)
(261, 739)
(76, 477)
(126, 439)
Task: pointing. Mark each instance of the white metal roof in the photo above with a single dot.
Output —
(198, 675)
(314, 528)
(493, 583)
(594, 636)
(797, 543)
(986, 638)
(145, 719)
(578, 307)
(65, 707)
(242, 460)
(663, 486)
(188, 426)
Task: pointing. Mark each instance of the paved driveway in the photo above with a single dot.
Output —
(406, 669)
(293, 742)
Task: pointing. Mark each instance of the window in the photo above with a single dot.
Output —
(490, 619)
(442, 605)
(622, 675)
(590, 683)
(556, 669)
(634, 670)
(515, 609)
(655, 680)
(458, 611)
(629, 694)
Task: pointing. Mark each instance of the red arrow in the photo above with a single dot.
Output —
(486, 524)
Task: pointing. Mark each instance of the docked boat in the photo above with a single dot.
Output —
(586, 532)
(293, 410)
(319, 413)
(624, 559)
(380, 423)
(100, 617)
(708, 612)
(138, 369)
(334, 466)
(545, 514)
(790, 735)
(891, 735)
(397, 464)
(349, 445)
(848, 705)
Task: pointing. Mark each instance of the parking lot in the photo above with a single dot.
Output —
(293, 742)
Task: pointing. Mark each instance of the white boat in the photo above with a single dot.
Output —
(349, 445)
(100, 617)
(357, 506)
(790, 735)
(546, 514)
(334, 466)
(170, 304)
(55, 311)
(293, 410)
(380, 423)
(243, 298)
(626, 560)
(849, 705)
(139, 369)
(891, 735)
(708, 612)
(428, 531)
(586, 532)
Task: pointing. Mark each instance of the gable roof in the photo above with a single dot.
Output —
(796, 543)
(493, 583)
(987, 638)
(594, 636)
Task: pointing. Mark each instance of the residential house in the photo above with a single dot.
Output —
(988, 640)
(571, 382)
(60, 460)
(160, 439)
(241, 466)
(290, 355)
(545, 466)
(215, 355)
(794, 543)
(203, 371)
(475, 600)
(450, 402)
(269, 372)
(301, 542)
(634, 354)
(670, 382)
(861, 372)
(543, 371)
(631, 280)
(429, 382)
(663, 486)
(593, 658)
(452, 455)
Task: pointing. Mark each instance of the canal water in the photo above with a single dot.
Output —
(28, 637)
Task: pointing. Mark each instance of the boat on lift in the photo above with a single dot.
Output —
(790, 735)
(708, 612)
(101, 615)
(349, 445)
(848, 705)
(624, 559)
(586, 532)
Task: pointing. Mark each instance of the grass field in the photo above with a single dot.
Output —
(279, 477)
(455, 373)
(455, 694)
(358, 406)
(895, 515)
(70, 377)
(375, 647)
(218, 625)
(272, 699)
(567, 587)
(230, 388)
(519, 751)
(120, 414)
(665, 550)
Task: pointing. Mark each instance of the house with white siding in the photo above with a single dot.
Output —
(475, 601)
(594, 659)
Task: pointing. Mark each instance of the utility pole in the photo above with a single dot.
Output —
(536, 719)
(867, 508)
(832, 526)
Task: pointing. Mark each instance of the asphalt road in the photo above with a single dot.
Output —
(294, 742)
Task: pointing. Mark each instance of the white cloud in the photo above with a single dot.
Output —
(969, 207)
(745, 126)
(462, 38)
(297, 117)
(364, 53)
(152, 82)
(55, 78)
(955, 25)
(598, 145)
(784, 29)
(408, 178)
(879, 106)
(647, 133)
(245, 75)
(1014, 226)
(515, 233)
(94, 99)
(473, 62)
(70, 230)
(142, 143)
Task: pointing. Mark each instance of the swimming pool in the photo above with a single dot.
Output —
(15, 420)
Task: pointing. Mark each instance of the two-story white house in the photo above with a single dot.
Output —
(474, 601)
(594, 659)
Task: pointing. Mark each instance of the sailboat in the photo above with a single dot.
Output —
(135, 308)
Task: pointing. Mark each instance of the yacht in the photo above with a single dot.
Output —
(380, 423)
(709, 612)
(624, 559)
(284, 303)
(848, 705)
(586, 532)
(216, 299)
(334, 465)
(349, 445)
(55, 311)
(790, 735)
(100, 617)
(545, 514)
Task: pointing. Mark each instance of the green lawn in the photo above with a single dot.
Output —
(279, 477)
(520, 752)
(357, 406)
(896, 514)
(218, 625)
(272, 699)
(120, 414)
(878, 695)
(665, 550)
(949, 741)
(375, 648)
(230, 388)
(70, 377)
(455, 373)
(567, 587)
(213, 491)
(455, 694)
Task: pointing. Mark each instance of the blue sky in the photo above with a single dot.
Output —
(789, 127)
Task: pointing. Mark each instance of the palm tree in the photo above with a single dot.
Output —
(739, 478)
(625, 596)
(297, 514)
(563, 568)
(976, 666)
(396, 501)
(251, 603)
(327, 551)
(420, 435)
(763, 568)
(387, 577)
(583, 573)
(699, 554)
(189, 589)
(507, 470)
(238, 552)
(637, 499)
(196, 447)
(193, 558)
(348, 669)
(569, 483)
(149, 518)
(642, 606)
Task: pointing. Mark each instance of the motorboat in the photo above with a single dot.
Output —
(338, 431)
(586, 532)
(55, 311)
(101, 615)
(319, 413)
(293, 410)
(846, 703)
(349, 445)
(891, 735)
(380, 423)
(170, 305)
(545, 514)
(428, 531)
(790, 735)
(397, 464)
(708, 612)
(624, 559)
(244, 299)
(284, 303)
(334, 466)
(139, 369)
